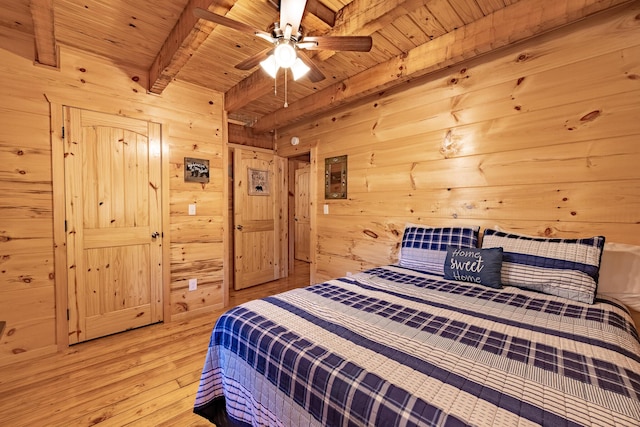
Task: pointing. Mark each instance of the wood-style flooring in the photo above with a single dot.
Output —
(144, 377)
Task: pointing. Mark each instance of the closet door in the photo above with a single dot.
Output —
(113, 218)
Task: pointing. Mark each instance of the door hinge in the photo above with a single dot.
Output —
(67, 314)
(65, 225)
(62, 132)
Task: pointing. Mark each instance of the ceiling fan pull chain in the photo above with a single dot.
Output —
(286, 104)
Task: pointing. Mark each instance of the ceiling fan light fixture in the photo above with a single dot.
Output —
(285, 55)
(299, 69)
(270, 65)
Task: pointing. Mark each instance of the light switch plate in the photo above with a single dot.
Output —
(326, 209)
(193, 284)
(192, 209)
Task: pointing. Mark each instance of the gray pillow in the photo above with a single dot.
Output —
(482, 266)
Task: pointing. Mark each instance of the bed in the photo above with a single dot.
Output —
(407, 345)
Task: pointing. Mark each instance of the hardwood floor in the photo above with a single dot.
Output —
(144, 377)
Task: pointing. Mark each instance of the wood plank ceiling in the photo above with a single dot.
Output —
(411, 38)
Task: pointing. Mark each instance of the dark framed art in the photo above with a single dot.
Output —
(196, 170)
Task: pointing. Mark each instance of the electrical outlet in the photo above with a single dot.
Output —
(193, 284)
(192, 209)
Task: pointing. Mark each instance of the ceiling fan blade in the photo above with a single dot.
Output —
(230, 23)
(341, 43)
(315, 75)
(254, 60)
(291, 12)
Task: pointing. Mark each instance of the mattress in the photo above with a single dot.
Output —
(397, 347)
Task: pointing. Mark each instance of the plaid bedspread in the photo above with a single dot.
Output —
(394, 347)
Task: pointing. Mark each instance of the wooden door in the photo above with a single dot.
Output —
(302, 223)
(256, 250)
(113, 223)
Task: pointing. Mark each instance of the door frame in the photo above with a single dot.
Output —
(290, 152)
(56, 109)
(293, 208)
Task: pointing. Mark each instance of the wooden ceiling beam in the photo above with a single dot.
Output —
(318, 9)
(365, 17)
(361, 17)
(512, 24)
(43, 28)
(183, 40)
(256, 85)
(239, 134)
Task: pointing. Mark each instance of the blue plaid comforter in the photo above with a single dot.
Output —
(396, 347)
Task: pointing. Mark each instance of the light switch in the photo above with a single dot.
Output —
(192, 209)
(326, 209)
(193, 284)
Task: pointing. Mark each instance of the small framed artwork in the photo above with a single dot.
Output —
(258, 182)
(196, 170)
(335, 177)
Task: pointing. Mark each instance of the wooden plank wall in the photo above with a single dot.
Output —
(540, 138)
(191, 120)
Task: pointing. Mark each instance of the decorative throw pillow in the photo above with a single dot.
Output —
(474, 265)
(567, 268)
(425, 248)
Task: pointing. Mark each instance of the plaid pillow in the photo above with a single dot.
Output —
(566, 268)
(425, 248)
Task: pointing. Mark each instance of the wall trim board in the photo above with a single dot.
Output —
(226, 224)
(247, 147)
(59, 235)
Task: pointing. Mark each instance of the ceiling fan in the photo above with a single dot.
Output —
(288, 39)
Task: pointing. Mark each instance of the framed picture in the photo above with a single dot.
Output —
(258, 182)
(196, 170)
(335, 177)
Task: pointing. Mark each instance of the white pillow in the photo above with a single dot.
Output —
(620, 273)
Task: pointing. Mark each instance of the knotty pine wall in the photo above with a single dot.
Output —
(542, 138)
(191, 121)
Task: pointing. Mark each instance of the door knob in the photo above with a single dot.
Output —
(239, 227)
(155, 235)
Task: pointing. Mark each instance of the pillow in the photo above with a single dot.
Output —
(474, 265)
(620, 273)
(425, 248)
(567, 268)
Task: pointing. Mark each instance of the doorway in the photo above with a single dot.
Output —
(299, 208)
(285, 240)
